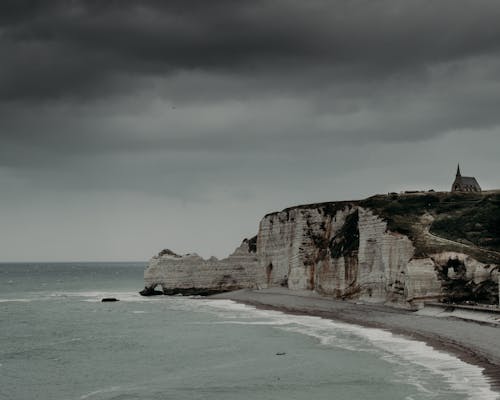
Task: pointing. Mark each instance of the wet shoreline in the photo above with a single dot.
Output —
(471, 341)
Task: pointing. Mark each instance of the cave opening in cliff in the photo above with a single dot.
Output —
(460, 288)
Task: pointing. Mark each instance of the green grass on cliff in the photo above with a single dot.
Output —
(477, 224)
(401, 212)
(471, 219)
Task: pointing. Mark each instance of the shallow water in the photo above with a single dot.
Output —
(58, 341)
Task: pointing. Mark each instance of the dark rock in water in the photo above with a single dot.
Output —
(109, 300)
(150, 291)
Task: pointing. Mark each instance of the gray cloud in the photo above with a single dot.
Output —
(234, 106)
(79, 48)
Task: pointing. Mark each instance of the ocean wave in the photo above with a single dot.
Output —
(15, 300)
(99, 391)
(93, 296)
(414, 358)
(89, 296)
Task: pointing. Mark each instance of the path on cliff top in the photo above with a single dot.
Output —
(427, 224)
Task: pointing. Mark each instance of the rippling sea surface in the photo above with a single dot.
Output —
(59, 341)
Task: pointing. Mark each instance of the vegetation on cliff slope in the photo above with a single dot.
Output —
(470, 222)
(346, 242)
(460, 289)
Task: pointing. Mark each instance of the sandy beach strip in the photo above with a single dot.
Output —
(473, 342)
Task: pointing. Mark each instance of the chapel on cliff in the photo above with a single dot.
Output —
(465, 183)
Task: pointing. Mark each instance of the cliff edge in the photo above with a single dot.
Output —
(398, 248)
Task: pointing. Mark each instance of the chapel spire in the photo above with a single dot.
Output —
(465, 183)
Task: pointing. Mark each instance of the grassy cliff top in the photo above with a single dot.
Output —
(469, 222)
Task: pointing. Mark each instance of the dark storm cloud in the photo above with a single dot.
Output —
(97, 77)
(81, 48)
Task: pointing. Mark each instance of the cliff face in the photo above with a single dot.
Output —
(191, 274)
(381, 249)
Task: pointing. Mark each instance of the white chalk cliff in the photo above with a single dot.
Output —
(343, 250)
(191, 274)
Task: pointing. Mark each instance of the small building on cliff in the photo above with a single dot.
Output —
(465, 183)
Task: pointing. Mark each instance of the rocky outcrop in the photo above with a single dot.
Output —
(378, 250)
(192, 275)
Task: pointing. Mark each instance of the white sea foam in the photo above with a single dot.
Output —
(410, 355)
(100, 391)
(15, 300)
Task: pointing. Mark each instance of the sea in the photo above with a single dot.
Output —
(58, 341)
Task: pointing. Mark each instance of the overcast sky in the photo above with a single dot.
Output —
(127, 127)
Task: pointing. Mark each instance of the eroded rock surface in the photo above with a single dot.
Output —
(374, 250)
(192, 275)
